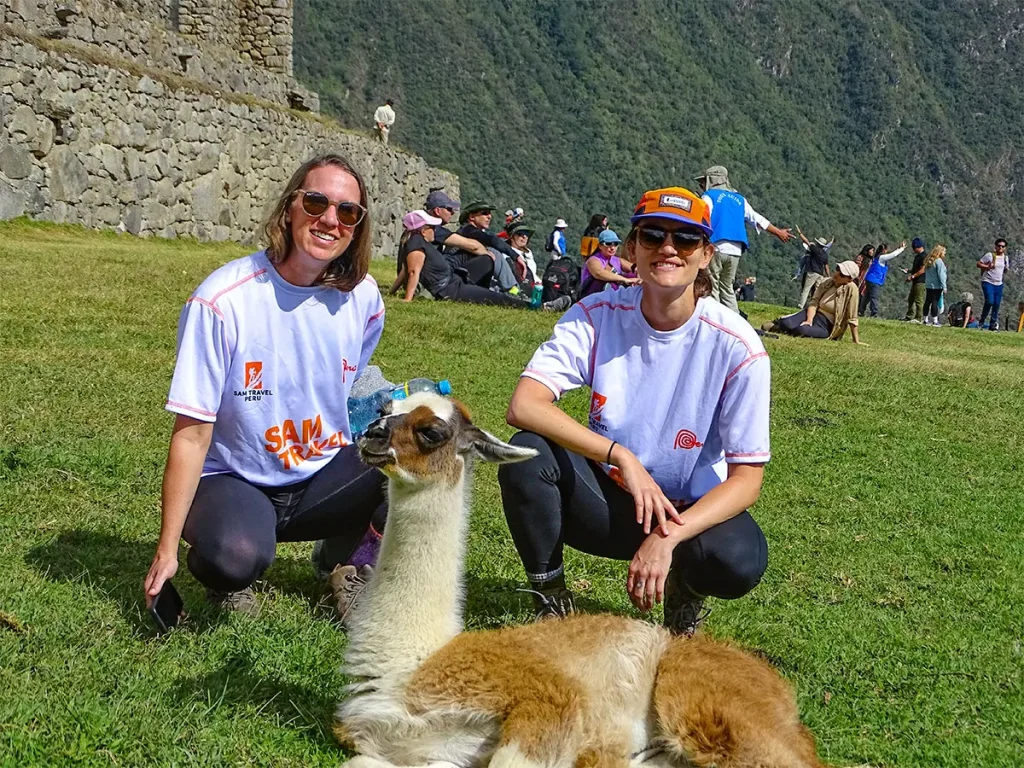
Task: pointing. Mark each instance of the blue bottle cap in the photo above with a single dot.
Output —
(444, 387)
(399, 394)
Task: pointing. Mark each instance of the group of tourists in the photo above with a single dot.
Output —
(262, 450)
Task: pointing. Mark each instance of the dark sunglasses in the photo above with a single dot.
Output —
(682, 239)
(316, 204)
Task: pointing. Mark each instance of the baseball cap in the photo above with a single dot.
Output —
(848, 268)
(439, 199)
(676, 203)
(917, 243)
(607, 237)
(418, 219)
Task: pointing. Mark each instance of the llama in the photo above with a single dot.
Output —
(588, 691)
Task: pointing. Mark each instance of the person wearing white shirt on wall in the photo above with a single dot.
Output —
(261, 451)
(383, 119)
(730, 214)
(993, 268)
(677, 437)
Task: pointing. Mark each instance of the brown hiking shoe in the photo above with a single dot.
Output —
(684, 609)
(347, 582)
(242, 601)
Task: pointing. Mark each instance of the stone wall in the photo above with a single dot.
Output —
(242, 46)
(87, 142)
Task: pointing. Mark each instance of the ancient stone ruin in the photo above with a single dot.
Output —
(170, 118)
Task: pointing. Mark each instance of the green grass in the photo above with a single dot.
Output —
(892, 506)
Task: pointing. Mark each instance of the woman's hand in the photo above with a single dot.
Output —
(645, 582)
(806, 322)
(648, 497)
(163, 568)
(630, 281)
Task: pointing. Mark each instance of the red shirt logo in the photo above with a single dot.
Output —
(686, 440)
(597, 401)
(253, 375)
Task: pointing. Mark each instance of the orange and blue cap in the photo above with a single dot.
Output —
(676, 203)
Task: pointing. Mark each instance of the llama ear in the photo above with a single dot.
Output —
(490, 448)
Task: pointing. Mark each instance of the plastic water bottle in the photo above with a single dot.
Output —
(535, 297)
(363, 411)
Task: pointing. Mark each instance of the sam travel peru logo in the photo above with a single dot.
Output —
(597, 403)
(252, 386)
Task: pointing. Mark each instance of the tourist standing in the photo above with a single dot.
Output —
(816, 265)
(915, 299)
(730, 214)
(934, 284)
(556, 240)
(589, 242)
(383, 119)
(875, 268)
(993, 267)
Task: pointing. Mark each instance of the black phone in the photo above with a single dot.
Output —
(166, 607)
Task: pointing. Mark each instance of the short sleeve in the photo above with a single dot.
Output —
(743, 419)
(372, 331)
(440, 235)
(986, 259)
(202, 365)
(563, 362)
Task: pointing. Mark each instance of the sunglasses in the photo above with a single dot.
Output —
(682, 239)
(315, 204)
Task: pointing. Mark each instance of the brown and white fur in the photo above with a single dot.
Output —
(585, 691)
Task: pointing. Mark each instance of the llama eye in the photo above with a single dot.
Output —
(432, 435)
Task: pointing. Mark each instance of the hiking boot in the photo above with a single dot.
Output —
(348, 582)
(242, 601)
(555, 604)
(560, 304)
(684, 609)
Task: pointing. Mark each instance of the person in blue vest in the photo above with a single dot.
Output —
(874, 277)
(730, 214)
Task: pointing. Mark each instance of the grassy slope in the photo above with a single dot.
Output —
(892, 508)
(873, 120)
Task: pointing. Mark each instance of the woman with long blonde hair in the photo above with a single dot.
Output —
(934, 284)
(268, 348)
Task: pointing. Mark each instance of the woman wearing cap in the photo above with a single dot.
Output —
(519, 238)
(605, 267)
(831, 310)
(677, 436)
(420, 263)
(268, 348)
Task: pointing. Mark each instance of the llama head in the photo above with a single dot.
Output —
(428, 438)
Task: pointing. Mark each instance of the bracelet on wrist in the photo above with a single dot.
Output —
(608, 458)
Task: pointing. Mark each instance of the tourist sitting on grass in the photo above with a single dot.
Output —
(589, 242)
(605, 267)
(961, 314)
(420, 263)
(677, 438)
(519, 238)
(475, 220)
(831, 310)
(261, 450)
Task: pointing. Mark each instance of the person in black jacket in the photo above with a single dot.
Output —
(475, 220)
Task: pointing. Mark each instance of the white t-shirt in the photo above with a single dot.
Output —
(994, 276)
(686, 402)
(271, 365)
(384, 115)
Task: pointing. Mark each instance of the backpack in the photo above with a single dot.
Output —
(955, 315)
(549, 244)
(561, 278)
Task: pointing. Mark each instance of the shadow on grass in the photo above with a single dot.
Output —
(237, 685)
(115, 567)
(493, 602)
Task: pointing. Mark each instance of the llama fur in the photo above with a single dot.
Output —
(588, 691)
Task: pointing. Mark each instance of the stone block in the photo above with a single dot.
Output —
(68, 179)
(43, 141)
(133, 219)
(112, 160)
(13, 202)
(23, 123)
(15, 162)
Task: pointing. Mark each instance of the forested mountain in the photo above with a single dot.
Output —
(867, 119)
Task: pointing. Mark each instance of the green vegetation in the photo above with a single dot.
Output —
(875, 120)
(892, 510)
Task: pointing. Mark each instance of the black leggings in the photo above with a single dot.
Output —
(456, 290)
(820, 327)
(559, 497)
(479, 268)
(931, 301)
(233, 526)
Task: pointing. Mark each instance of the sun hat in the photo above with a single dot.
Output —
(519, 229)
(821, 241)
(717, 177)
(438, 198)
(608, 237)
(475, 207)
(560, 224)
(848, 268)
(418, 219)
(676, 203)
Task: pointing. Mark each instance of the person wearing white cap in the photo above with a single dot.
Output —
(730, 214)
(556, 240)
(831, 310)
